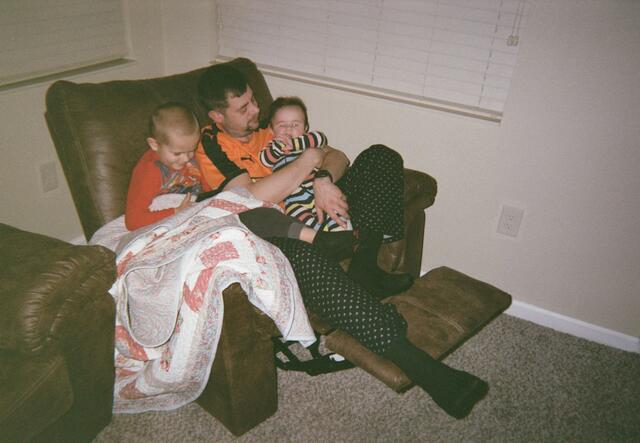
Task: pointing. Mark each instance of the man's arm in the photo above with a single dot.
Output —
(275, 187)
(220, 172)
(335, 161)
(329, 199)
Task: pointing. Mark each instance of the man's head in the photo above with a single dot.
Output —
(229, 100)
(174, 134)
(288, 117)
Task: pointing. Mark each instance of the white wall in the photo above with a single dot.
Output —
(166, 38)
(188, 34)
(25, 143)
(567, 152)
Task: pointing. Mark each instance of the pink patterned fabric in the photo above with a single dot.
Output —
(169, 305)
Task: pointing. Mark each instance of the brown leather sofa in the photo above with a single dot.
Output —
(56, 338)
(99, 131)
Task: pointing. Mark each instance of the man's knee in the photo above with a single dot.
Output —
(381, 156)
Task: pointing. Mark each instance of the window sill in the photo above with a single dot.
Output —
(49, 78)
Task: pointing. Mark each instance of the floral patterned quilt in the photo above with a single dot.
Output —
(168, 296)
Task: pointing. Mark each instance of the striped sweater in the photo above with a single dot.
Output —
(301, 203)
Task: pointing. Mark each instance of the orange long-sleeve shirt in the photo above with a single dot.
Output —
(150, 179)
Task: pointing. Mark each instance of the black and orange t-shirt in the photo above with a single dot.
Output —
(229, 157)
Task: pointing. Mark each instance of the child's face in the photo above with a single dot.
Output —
(178, 150)
(288, 122)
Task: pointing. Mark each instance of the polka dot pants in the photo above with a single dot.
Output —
(332, 295)
(374, 186)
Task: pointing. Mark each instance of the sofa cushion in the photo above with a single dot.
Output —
(43, 281)
(36, 392)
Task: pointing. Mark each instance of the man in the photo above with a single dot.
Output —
(228, 157)
(370, 192)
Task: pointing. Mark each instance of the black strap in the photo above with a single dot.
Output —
(218, 157)
(318, 364)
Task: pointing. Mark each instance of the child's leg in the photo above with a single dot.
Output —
(269, 222)
(300, 205)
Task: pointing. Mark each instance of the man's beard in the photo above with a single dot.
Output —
(253, 125)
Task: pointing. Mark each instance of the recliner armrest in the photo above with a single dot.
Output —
(48, 288)
(420, 189)
(405, 255)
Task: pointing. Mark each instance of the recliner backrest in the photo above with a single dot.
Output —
(99, 130)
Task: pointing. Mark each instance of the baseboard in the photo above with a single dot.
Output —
(574, 327)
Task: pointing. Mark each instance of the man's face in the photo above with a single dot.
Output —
(241, 118)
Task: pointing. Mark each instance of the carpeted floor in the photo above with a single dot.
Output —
(546, 386)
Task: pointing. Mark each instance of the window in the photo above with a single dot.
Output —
(43, 37)
(454, 55)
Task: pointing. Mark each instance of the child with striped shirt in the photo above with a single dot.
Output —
(289, 123)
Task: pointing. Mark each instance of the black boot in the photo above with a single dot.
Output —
(336, 245)
(364, 268)
(456, 392)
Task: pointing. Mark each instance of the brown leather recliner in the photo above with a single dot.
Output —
(56, 338)
(99, 131)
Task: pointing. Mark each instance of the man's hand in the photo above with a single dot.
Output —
(331, 201)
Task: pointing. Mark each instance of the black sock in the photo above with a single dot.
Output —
(456, 392)
(364, 268)
(337, 245)
(269, 222)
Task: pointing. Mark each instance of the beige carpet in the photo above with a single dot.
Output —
(545, 387)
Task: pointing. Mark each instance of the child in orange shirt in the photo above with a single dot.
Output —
(169, 167)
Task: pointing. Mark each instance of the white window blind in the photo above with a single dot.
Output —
(456, 55)
(42, 37)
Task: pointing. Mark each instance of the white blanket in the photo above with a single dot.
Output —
(168, 297)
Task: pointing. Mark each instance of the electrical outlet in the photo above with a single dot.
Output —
(510, 220)
(48, 176)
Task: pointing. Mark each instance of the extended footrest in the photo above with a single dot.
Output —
(443, 309)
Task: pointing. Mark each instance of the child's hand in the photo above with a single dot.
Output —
(185, 203)
(285, 144)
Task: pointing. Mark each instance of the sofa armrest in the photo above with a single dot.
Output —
(48, 288)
